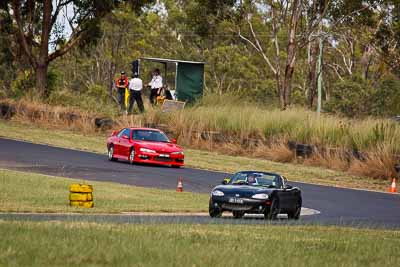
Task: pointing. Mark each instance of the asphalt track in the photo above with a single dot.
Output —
(337, 206)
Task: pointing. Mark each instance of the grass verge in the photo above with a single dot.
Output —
(94, 244)
(27, 192)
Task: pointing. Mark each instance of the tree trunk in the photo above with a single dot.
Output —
(280, 89)
(366, 60)
(42, 62)
(291, 52)
(312, 77)
(111, 73)
(287, 83)
(41, 80)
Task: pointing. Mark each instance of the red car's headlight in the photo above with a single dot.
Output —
(146, 150)
(177, 153)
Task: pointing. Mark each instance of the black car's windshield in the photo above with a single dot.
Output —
(256, 179)
(149, 135)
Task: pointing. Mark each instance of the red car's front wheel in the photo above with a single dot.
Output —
(111, 153)
(132, 156)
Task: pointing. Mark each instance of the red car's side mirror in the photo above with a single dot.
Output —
(125, 136)
(173, 140)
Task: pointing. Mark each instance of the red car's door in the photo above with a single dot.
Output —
(118, 150)
(125, 143)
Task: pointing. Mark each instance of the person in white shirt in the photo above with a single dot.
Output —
(135, 93)
(156, 84)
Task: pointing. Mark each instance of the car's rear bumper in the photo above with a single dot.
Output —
(174, 160)
(248, 205)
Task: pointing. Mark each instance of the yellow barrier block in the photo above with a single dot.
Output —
(80, 197)
(81, 188)
(86, 204)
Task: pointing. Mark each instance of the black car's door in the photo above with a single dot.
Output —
(291, 198)
(284, 198)
(288, 196)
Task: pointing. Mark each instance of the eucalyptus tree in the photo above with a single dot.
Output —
(41, 32)
(48, 29)
(275, 30)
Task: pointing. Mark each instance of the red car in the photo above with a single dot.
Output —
(144, 145)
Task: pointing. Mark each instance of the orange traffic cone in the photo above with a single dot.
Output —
(393, 188)
(179, 187)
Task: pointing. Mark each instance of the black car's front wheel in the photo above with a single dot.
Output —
(295, 213)
(273, 211)
(214, 211)
(238, 214)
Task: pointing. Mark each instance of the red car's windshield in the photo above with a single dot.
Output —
(149, 135)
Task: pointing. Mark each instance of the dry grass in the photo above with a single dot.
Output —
(276, 152)
(230, 149)
(336, 159)
(379, 165)
(69, 118)
(45, 115)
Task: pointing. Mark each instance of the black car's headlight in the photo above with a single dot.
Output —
(260, 196)
(217, 193)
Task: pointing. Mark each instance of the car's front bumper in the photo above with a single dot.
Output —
(157, 158)
(248, 205)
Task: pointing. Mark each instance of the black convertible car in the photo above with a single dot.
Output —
(258, 193)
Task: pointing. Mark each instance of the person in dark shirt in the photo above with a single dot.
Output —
(121, 83)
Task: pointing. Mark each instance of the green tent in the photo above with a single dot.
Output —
(189, 76)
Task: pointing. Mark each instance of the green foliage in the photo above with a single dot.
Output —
(299, 97)
(95, 100)
(365, 14)
(357, 97)
(31, 27)
(263, 94)
(204, 15)
(52, 80)
(22, 84)
(350, 97)
(7, 59)
(62, 98)
(360, 73)
(229, 70)
(386, 99)
(3, 93)
(97, 91)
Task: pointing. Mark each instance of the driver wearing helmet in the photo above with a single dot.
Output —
(251, 179)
